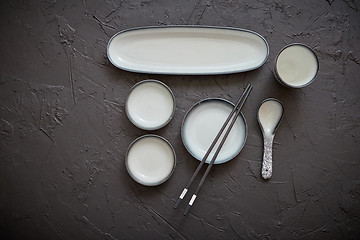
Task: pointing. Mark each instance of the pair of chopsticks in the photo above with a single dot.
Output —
(236, 110)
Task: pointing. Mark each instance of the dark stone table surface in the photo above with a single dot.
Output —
(64, 133)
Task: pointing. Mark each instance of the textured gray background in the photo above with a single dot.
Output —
(64, 133)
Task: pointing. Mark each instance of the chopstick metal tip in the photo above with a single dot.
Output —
(180, 198)
(190, 204)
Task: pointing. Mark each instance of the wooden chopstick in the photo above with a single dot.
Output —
(236, 110)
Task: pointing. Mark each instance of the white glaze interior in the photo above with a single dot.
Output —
(150, 105)
(296, 65)
(202, 124)
(187, 50)
(270, 113)
(150, 160)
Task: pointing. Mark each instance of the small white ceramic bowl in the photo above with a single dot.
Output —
(150, 160)
(150, 105)
(296, 66)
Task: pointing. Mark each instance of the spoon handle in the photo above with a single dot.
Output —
(266, 171)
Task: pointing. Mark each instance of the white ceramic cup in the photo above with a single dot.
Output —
(296, 65)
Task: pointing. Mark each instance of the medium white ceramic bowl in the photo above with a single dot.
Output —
(201, 125)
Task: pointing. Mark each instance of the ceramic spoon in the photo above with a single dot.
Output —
(269, 116)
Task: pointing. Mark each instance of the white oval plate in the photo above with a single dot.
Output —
(201, 125)
(187, 50)
(150, 160)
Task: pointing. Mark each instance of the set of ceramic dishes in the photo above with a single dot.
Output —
(150, 159)
(193, 50)
(182, 50)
